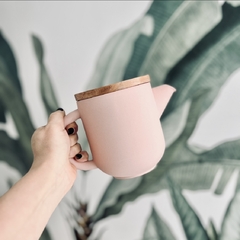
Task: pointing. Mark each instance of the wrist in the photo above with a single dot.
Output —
(55, 181)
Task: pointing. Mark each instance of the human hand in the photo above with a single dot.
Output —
(53, 145)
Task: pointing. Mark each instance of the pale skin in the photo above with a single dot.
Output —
(26, 208)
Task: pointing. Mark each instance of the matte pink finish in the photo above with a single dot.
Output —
(123, 129)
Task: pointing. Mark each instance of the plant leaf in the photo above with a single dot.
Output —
(234, 3)
(187, 25)
(230, 225)
(227, 150)
(214, 72)
(115, 56)
(156, 228)
(211, 231)
(7, 56)
(227, 174)
(200, 174)
(12, 100)
(209, 63)
(45, 235)
(47, 93)
(192, 225)
(161, 12)
(178, 119)
(9, 176)
(110, 197)
(11, 152)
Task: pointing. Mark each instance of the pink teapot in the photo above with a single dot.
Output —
(122, 126)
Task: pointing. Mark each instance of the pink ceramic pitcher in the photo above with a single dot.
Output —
(122, 126)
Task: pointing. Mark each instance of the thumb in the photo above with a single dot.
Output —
(57, 117)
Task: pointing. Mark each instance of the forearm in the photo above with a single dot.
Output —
(26, 208)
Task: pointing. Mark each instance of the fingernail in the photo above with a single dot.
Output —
(70, 131)
(78, 156)
(60, 109)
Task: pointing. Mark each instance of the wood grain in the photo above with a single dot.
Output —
(112, 88)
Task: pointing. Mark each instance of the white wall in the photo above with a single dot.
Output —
(73, 33)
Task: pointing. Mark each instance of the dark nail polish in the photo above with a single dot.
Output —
(78, 156)
(70, 131)
(60, 109)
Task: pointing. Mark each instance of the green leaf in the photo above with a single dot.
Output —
(234, 3)
(47, 93)
(209, 63)
(200, 174)
(110, 197)
(178, 119)
(10, 66)
(211, 231)
(45, 235)
(224, 180)
(161, 12)
(10, 152)
(186, 26)
(12, 100)
(192, 225)
(230, 225)
(228, 150)
(156, 228)
(116, 53)
(208, 66)
(165, 57)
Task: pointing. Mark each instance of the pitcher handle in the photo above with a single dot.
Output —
(88, 165)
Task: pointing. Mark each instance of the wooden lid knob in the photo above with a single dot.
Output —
(112, 88)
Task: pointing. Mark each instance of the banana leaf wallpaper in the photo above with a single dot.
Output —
(194, 192)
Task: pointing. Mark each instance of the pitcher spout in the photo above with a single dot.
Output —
(162, 95)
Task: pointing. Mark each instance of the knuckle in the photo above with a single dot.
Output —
(38, 135)
(78, 147)
(52, 115)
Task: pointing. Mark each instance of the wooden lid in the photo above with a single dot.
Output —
(112, 88)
